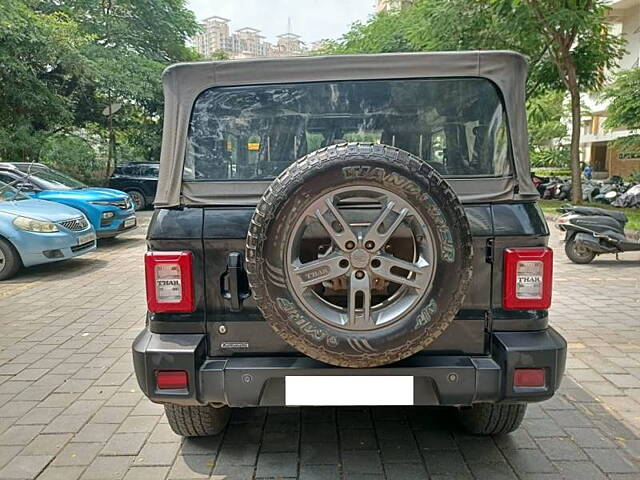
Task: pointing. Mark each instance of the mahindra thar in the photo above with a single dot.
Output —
(348, 230)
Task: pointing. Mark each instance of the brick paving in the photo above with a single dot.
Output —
(70, 407)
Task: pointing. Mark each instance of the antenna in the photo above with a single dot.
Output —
(289, 28)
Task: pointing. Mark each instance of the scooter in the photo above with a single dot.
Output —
(593, 231)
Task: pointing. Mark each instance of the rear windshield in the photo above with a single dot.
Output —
(253, 133)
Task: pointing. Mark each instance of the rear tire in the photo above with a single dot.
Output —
(197, 421)
(492, 419)
(9, 260)
(577, 254)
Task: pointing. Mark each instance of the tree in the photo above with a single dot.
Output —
(41, 65)
(567, 42)
(132, 41)
(547, 131)
(581, 47)
(624, 107)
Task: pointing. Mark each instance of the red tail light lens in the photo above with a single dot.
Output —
(171, 380)
(529, 377)
(528, 275)
(169, 282)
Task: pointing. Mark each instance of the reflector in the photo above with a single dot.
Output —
(171, 379)
(529, 377)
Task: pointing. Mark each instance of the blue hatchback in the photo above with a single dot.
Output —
(111, 212)
(34, 232)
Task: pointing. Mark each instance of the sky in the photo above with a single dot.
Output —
(313, 19)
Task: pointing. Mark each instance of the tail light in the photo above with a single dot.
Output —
(169, 282)
(527, 278)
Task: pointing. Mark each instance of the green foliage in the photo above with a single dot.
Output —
(41, 62)
(547, 131)
(551, 172)
(75, 156)
(63, 61)
(624, 107)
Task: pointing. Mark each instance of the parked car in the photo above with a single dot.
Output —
(111, 212)
(293, 263)
(35, 231)
(139, 180)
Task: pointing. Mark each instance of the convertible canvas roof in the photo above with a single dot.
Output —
(185, 81)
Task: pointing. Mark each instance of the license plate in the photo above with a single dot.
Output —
(348, 390)
(86, 238)
(129, 222)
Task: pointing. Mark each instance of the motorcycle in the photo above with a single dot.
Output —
(591, 231)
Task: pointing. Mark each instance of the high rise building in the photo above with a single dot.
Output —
(243, 43)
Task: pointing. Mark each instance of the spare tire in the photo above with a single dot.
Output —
(359, 255)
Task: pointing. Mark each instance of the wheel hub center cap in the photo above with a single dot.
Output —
(360, 258)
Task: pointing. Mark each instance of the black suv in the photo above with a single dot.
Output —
(356, 230)
(139, 180)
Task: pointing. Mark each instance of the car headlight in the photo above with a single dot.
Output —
(33, 225)
(121, 204)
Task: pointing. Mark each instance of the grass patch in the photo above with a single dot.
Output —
(549, 207)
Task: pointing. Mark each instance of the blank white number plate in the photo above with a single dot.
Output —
(348, 390)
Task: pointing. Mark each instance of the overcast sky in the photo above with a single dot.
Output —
(313, 19)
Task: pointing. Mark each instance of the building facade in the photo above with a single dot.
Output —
(596, 139)
(216, 36)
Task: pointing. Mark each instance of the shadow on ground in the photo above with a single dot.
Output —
(571, 436)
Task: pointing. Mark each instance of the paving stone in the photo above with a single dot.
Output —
(493, 471)
(77, 454)
(47, 444)
(191, 466)
(20, 434)
(278, 442)
(361, 462)
(580, 470)
(399, 451)
(61, 473)
(529, 461)
(405, 471)
(611, 461)
(147, 473)
(277, 465)
(124, 444)
(25, 467)
(157, 454)
(319, 453)
(445, 462)
(200, 445)
(107, 468)
(590, 438)
(233, 472)
(561, 449)
(8, 452)
(95, 432)
(358, 439)
(238, 454)
(138, 425)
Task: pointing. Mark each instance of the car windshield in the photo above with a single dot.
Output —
(8, 193)
(55, 180)
(458, 126)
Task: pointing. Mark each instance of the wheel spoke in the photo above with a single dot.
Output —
(339, 238)
(388, 262)
(378, 238)
(359, 318)
(312, 273)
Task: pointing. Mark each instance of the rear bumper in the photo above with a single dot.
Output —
(438, 380)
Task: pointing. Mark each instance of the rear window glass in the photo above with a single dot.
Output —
(253, 133)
